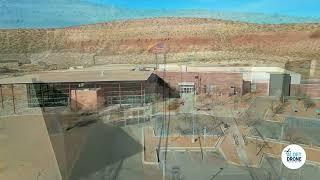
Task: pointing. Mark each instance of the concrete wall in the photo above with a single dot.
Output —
(265, 76)
(315, 69)
(256, 76)
(279, 85)
(215, 82)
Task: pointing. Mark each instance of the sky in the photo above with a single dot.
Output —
(302, 8)
(63, 13)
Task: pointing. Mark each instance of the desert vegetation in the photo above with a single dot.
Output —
(187, 39)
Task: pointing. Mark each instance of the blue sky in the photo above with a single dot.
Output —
(302, 8)
(63, 13)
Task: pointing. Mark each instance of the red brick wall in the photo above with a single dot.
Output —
(220, 81)
(294, 89)
(86, 100)
(262, 88)
(311, 90)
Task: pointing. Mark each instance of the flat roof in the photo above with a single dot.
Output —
(79, 76)
(186, 83)
(215, 68)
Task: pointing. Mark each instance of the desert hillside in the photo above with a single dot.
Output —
(187, 39)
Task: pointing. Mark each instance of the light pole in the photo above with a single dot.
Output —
(234, 97)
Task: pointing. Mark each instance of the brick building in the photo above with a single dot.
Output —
(87, 99)
(310, 88)
(254, 79)
(80, 90)
(222, 83)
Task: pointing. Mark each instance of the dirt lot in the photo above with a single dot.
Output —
(26, 149)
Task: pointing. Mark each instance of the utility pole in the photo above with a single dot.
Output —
(157, 64)
(1, 97)
(157, 49)
(163, 169)
(193, 113)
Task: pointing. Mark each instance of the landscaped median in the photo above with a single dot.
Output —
(177, 143)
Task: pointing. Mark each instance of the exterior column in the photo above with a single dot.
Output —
(75, 93)
(1, 97)
(42, 99)
(69, 100)
(141, 94)
(314, 69)
(13, 99)
(120, 94)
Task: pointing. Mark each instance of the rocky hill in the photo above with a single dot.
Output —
(187, 39)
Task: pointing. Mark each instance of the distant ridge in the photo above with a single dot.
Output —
(51, 14)
(187, 39)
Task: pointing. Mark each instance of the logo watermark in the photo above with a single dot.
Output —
(293, 156)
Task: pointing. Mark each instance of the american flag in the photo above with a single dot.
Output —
(159, 48)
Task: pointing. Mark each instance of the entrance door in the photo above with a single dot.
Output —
(186, 89)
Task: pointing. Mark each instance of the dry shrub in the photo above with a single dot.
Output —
(315, 35)
(174, 105)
